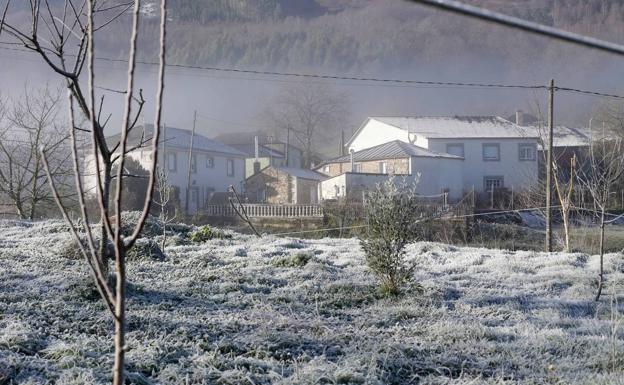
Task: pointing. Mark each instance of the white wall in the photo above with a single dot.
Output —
(517, 174)
(375, 133)
(437, 174)
(205, 179)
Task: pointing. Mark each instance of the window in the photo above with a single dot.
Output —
(526, 151)
(326, 168)
(456, 149)
(172, 161)
(491, 151)
(230, 167)
(357, 167)
(383, 167)
(209, 162)
(492, 182)
(194, 195)
(194, 164)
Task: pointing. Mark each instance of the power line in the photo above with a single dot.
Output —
(383, 81)
(524, 25)
(311, 75)
(591, 93)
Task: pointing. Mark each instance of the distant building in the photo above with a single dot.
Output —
(349, 175)
(496, 152)
(284, 185)
(214, 166)
(270, 151)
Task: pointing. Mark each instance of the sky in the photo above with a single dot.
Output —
(228, 102)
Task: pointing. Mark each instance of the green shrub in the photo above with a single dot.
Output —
(145, 249)
(206, 233)
(297, 260)
(392, 214)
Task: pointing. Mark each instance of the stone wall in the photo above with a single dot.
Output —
(272, 185)
(393, 166)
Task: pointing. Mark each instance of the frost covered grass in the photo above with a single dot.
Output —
(289, 311)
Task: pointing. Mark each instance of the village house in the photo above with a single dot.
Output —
(568, 142)
(496, 153)
(284, 185)
(214, 165)
(263, 149)
(434, 173)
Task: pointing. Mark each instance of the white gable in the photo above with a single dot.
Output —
(374, 132)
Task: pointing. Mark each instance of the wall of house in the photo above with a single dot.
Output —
(374, 133)
(393, 166)
(516, 173)
(437, 175)
(270, 186)
(432, 175)
(307, 191)
(203, 182)
(353, 184)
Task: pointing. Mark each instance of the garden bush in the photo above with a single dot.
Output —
(206, 233)
(391, 215)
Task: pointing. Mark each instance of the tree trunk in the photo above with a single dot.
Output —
(103, 254)
(164, 235)
(120, 315)
(566, 228)
(601, 275)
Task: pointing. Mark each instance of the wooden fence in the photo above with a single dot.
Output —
(267, 211)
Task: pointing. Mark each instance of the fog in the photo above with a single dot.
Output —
(233, 101)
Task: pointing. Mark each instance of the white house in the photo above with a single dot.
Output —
(214, 165)
(496, 152)
(436, 173)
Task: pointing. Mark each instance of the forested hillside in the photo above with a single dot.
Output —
(361, 36)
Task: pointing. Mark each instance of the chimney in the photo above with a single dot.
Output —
(520, 118)
(352, 161)
(256, 147)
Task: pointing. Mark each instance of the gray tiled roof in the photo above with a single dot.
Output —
(460, 126)
(264, 152)
(177, 137)
(395, 149)
(302, 173)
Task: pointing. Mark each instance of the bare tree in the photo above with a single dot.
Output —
(77, 21)
(163, 201)
(312, 111)
(605, 168)
(563, 179)
(32, 123)
(564, 186)
(63, 38)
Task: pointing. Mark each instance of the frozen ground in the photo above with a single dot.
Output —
(248, 311)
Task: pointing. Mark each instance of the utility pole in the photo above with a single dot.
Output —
(342, 143)
(287, 149)
(549, 165)
(190, 161)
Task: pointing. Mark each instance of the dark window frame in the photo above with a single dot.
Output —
(230, 170)
(485, 159)
(463, 149)
(493, 177)
(533, 146)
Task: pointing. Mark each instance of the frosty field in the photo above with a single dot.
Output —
(287, 311)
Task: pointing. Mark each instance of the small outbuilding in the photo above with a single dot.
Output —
(433, 173)
(284, 185)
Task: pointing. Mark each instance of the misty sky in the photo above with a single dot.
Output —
(233, 102)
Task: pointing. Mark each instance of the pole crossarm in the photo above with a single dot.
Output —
(517, 23)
